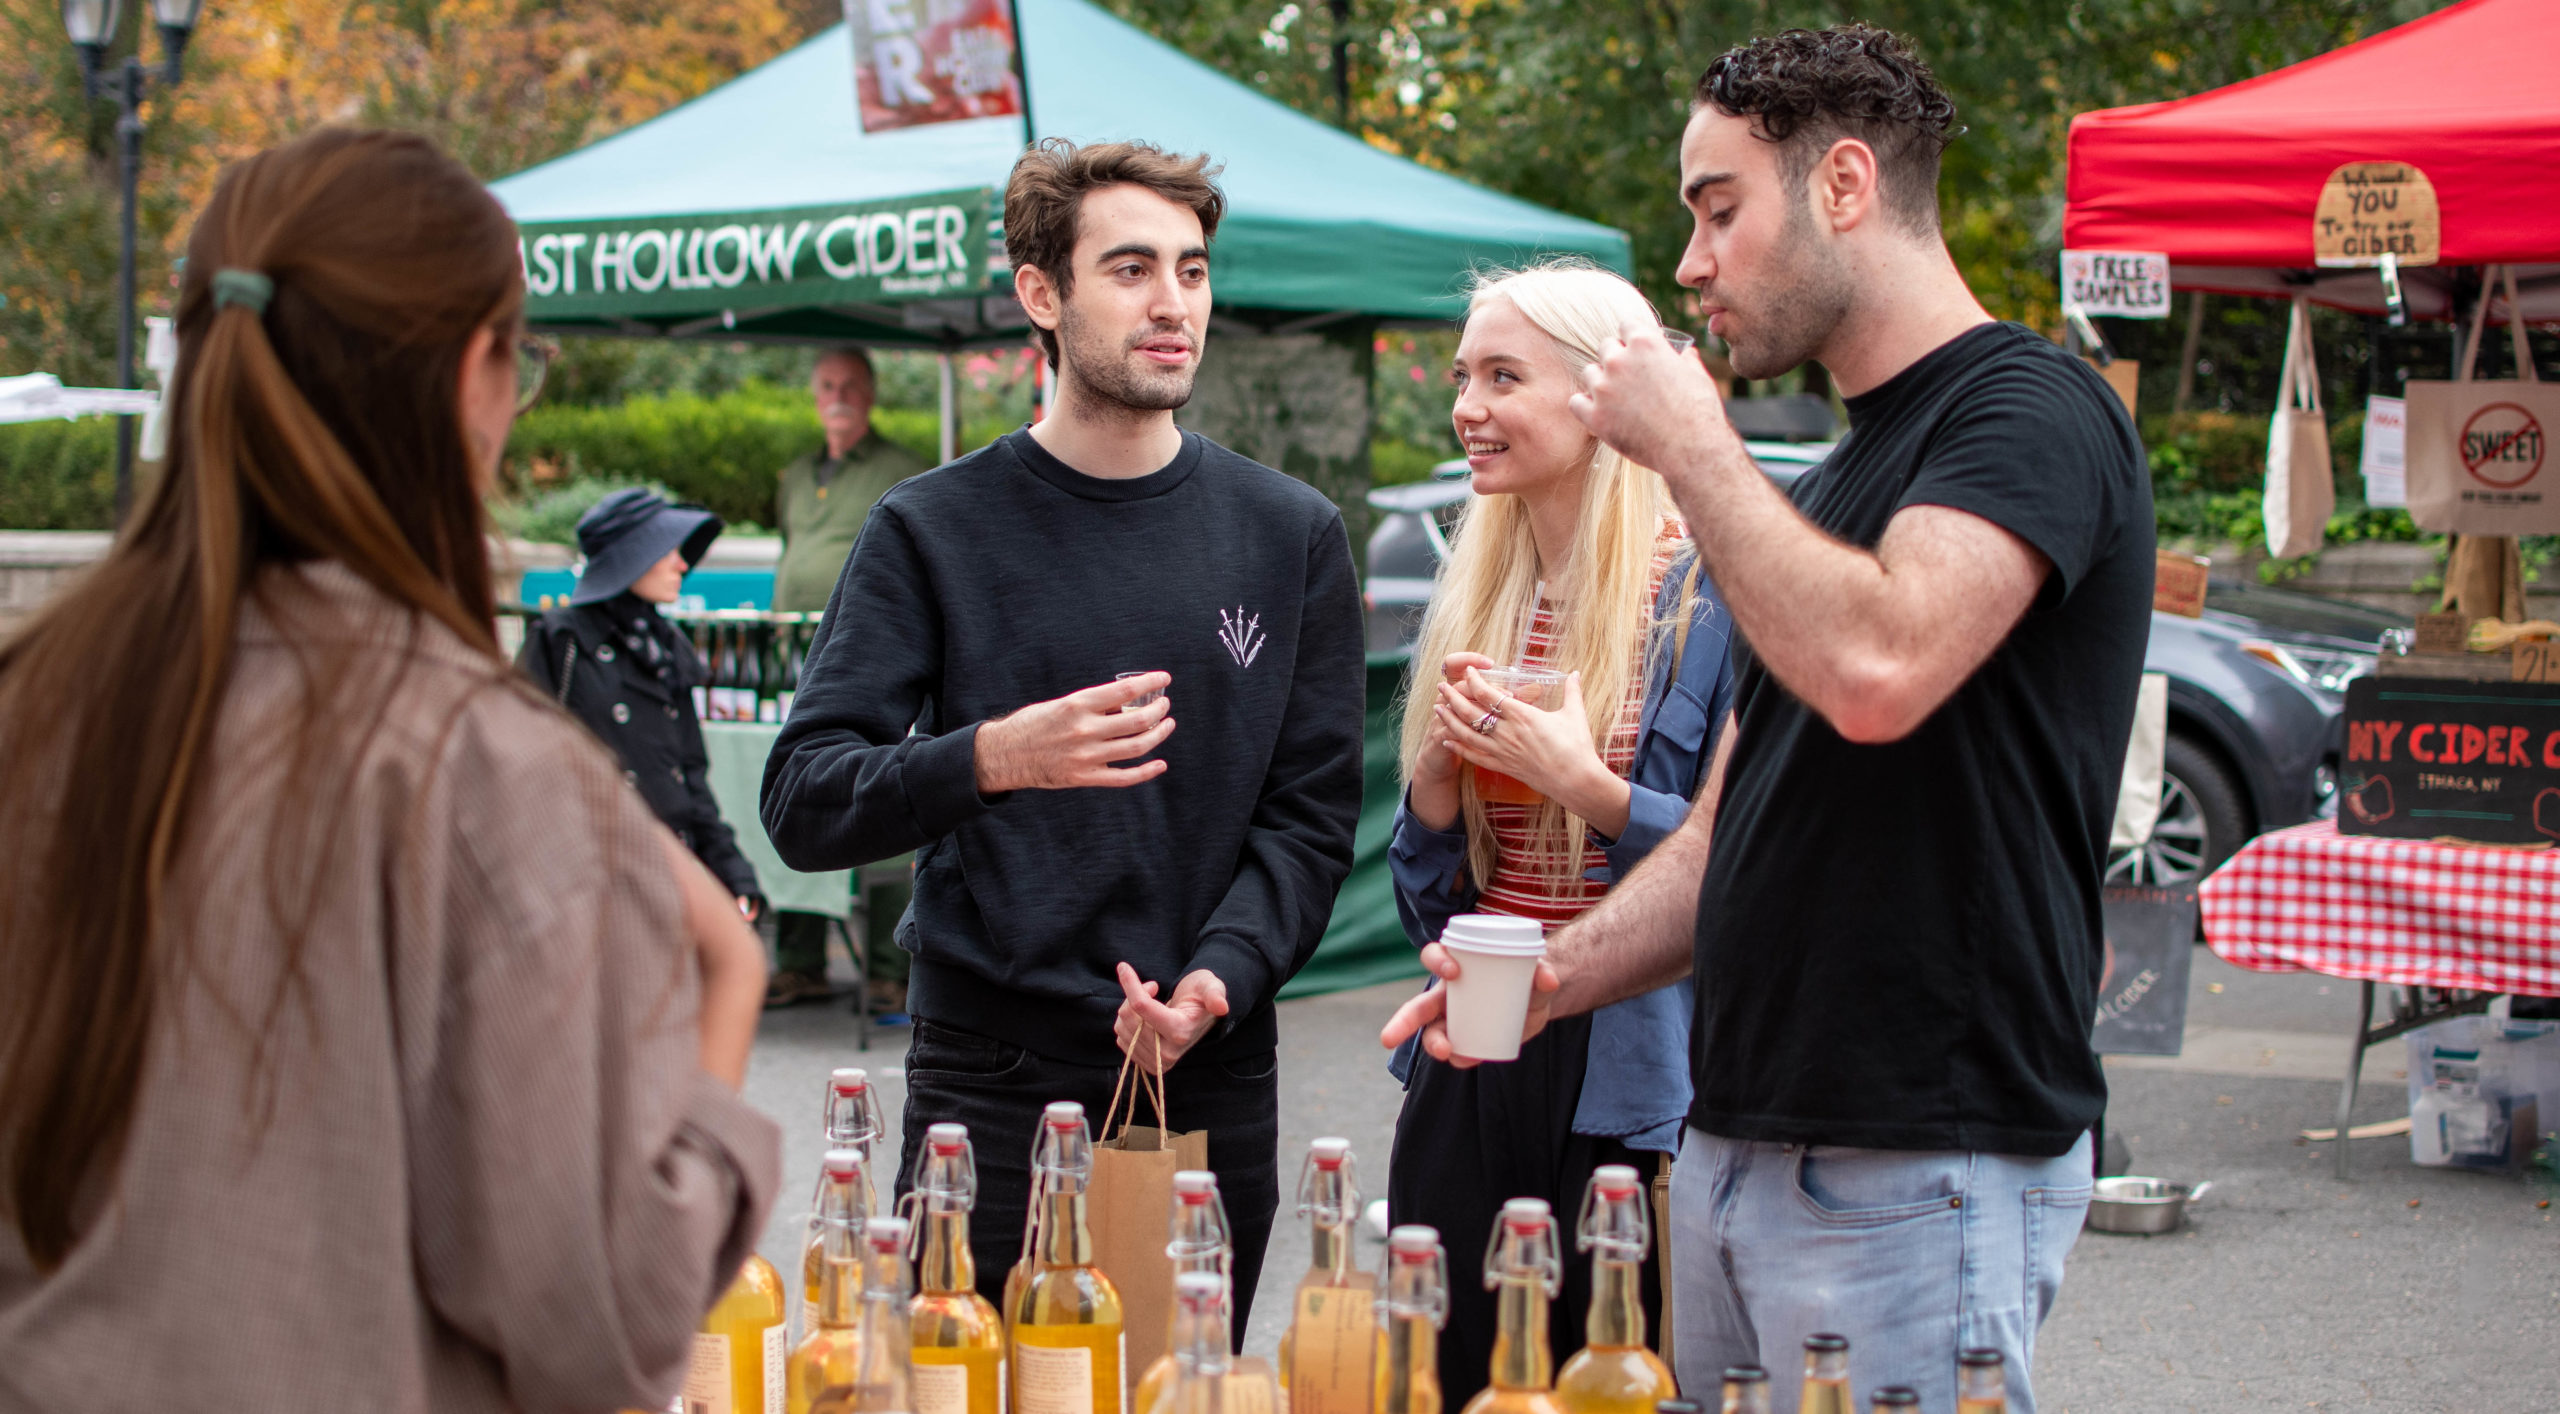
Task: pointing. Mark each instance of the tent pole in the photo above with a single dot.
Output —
(950, 408)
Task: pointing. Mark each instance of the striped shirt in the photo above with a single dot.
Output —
(1527, 881)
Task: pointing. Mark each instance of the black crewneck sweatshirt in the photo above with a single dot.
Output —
(1007, 578)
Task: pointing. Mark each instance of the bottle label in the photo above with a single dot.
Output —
(1054, 1379)
(777, 1344)
(707, 1386)
(1332, 1347)
(941, 1389)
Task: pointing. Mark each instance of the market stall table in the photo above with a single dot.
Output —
(737, 751)
(2453, 926)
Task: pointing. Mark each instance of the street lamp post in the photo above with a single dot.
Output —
(92, 27)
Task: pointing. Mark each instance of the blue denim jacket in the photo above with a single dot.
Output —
(1635, 1085)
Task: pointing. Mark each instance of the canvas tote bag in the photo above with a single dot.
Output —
(2478, 453)
(2300, 495)
(1131, 1208)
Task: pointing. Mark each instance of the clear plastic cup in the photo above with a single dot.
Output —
(1539, 687)
(1497, 957)
(1144, 698)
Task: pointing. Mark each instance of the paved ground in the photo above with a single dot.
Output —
(2291, 1290)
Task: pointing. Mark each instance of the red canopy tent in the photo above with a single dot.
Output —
(2226, 181)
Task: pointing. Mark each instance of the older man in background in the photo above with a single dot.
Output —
(823, 499)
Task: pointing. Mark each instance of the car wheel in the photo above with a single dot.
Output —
(2202, 820)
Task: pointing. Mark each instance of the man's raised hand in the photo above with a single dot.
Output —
(1072, 741)
(1659, 409)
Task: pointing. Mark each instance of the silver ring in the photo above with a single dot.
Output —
(1484, 724)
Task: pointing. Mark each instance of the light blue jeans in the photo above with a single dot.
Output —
(1912, 1256)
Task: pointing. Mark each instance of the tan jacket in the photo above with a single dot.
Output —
(482, 1168)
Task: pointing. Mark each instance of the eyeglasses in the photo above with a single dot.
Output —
(533, 363)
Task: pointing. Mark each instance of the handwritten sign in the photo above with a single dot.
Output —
(2384, 458)
(2128, 284)
(2537, 660)
(932, 61)
(2371, 209)
(2431, 757)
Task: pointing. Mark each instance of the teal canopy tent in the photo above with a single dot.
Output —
(762, 210)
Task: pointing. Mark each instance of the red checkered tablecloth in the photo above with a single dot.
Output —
(2406, 912)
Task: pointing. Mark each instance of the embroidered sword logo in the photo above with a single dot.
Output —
(1238, 633)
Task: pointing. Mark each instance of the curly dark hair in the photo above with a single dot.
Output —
(1044, 199)
(1807, 89)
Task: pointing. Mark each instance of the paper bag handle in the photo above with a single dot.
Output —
(1152, 1082)
(2299, 381)
(2525, 371)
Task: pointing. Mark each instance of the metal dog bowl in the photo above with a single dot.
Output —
(2144, 1205)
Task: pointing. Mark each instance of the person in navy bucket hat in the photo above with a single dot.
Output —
(617, 665)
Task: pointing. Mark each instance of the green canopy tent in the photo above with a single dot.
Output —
(761, 210)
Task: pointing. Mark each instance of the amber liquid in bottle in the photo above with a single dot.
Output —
(1522, 1269)
(738, 1354)
(844, 1192)
(1417, 1305)
(823, 1366)
(1067, 1342)
(884, 1366)
(1329, 1199)
(1200, 1243)
(957, 1336)
(1614, 1373)
(1746, 1390)
(1826, 1376)
(1982, 1383)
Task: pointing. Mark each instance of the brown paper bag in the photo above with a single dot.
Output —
(2300, 494)
(1131, 1208)
(2478, 453)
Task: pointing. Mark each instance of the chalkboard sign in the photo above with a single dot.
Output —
(2430, 757)
(2142, 995)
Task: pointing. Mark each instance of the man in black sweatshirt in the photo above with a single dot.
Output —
(1089, 881)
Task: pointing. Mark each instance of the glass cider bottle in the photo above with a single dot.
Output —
(1200, 1344)
(1329, 1199)
(1746, 1390)
(1524, 1270)
(1415, 1308)
(1068, 1344)
(883, 1358)
(853, 1122)
(958, 1338)
(738, 1354)
(1896, 1399)
(1982, 1382)
(823, 1365)
(844, 1195)
(1201, 1243)
(1826, 1375)
(1614, 1373)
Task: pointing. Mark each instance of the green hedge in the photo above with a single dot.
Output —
(58, 475)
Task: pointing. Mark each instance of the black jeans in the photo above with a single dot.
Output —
(998, 1090)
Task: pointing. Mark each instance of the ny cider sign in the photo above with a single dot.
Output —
(2473, 760)
(933, 61)
(913, 248)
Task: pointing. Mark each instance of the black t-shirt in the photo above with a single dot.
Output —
(1898, 944)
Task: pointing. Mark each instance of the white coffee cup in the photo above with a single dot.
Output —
(1497, 958)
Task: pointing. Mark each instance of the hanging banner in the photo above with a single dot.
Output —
(2371, 209)
(917, 247)
(933, 61)
(2125, 284)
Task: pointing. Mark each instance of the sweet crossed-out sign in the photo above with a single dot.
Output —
(2474, 760)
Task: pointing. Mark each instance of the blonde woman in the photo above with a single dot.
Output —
(1569, 558)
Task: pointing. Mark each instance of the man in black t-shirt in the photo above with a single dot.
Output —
(1895, 932)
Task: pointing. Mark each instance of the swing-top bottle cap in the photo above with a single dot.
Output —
(1615, 1181)
(887, 1234)
(1195, 1185)
(947, 1140)
(1824, 1342)
(1329, 1152)
(849, 1080)
(1897, 1397)
(844, 1164)
(1978, 1356)
(1063, 1114)
(1526, 1215)
(1414, 1242)
(1199, 1291)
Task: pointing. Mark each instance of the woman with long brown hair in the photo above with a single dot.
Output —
(364, 1043)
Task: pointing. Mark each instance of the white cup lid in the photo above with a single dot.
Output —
(1495, 933)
